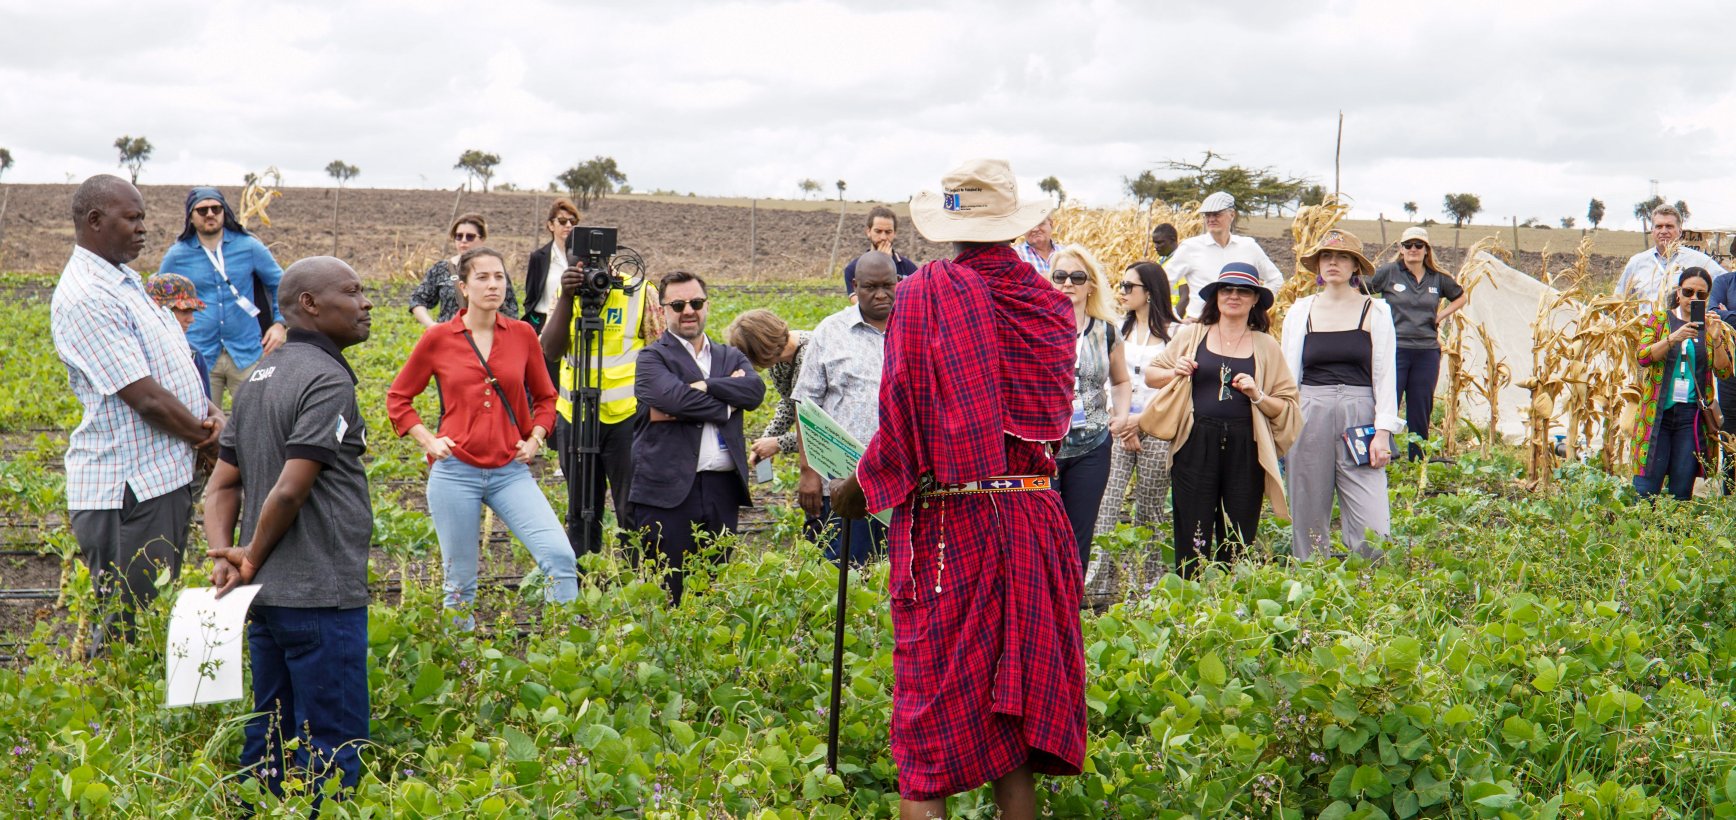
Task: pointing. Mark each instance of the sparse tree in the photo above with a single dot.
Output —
(5, 161)
(342, 172)
(1594, 212)
(134, 151)
(478, 165)
(1312, 195)
(840, 184)
(1682, 205)
(1143, 188)
(1255, 189)
(809, 187)
(1567, 222)
(592, 179)
(1643, 210)
(1461, 207)
(1052, 186)
(1410, 210)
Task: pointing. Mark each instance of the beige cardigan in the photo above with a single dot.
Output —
(1273, 436)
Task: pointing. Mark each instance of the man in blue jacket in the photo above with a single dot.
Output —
(689, 454)
(233, 273)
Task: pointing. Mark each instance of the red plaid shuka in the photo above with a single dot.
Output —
(988, 664)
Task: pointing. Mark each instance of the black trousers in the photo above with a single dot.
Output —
(1216, 486)
(1416, 371)
(1727, 406)
(710, 509)
(1081, 481)
(125, 549)
(617, 474)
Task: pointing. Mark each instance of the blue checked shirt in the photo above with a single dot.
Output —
(110, 334)
(1031, 255)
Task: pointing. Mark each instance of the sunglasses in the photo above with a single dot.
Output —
(1693, 294)
(680, 305)
(1414, 246)
(1127, 287)
(1234, 290)
(1077, 277)
(1225, 376)
(566, 221)
(466, 237)
(208, 210)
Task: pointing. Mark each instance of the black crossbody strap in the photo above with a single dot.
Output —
(492, 381)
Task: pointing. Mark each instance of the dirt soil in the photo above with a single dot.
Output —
(386, 232)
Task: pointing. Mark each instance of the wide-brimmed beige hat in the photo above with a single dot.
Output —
(978, 202)
(1341, 241)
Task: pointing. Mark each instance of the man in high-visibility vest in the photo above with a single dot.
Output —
(627, 327)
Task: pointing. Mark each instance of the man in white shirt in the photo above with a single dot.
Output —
(1198, 260)
(1651, 272)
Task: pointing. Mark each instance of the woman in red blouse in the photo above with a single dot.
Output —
(484, 365)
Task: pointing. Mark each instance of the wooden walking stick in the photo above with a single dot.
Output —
(838, 652)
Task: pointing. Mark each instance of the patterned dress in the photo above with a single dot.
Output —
(988, 664)
(439, 289)
(783, 376)
(1652, 373)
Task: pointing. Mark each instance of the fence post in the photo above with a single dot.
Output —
(753, 239)
(1515, 234)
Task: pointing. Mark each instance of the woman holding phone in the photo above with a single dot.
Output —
(1676, 434)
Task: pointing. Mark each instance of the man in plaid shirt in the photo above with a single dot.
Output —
(129, 463)
(988, 664)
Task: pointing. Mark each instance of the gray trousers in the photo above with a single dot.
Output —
(125, 549)
(1319, 467)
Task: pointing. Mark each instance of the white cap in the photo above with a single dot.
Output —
(1219, 201)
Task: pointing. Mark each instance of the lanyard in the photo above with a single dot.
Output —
(243, 302)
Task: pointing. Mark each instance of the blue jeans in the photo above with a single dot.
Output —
(456, 493)
(310, 681)
(867, 536)
(1675, 453)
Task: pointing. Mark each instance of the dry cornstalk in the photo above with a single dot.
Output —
(1310, 226)
(256, 197)
(1122, 236)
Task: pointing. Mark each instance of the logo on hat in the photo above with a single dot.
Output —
(951, 203)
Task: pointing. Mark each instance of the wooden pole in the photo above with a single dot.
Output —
(1338, 156)
(5, 197)
(1383, 230)
(336, 192)
(752, 238)
(837, 235)
(838, 651)
(1515, 234)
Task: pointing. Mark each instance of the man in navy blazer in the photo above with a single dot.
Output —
(689, 454)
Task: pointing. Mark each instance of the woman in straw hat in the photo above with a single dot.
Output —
(1414, 287)
(988, 663)
(1099, 415)
(1339, 343)
(1241, 417)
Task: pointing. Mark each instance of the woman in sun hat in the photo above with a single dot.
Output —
(1414, 287)
(1339, 343)
(1242, 416)
(988, 663)
(181, 297)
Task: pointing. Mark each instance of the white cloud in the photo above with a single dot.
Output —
(1535, 106)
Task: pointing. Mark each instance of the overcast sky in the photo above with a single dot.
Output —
(1534, 106)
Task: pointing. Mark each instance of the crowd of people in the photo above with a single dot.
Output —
(1016, 401)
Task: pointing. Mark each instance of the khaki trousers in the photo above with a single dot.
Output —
(226, 377)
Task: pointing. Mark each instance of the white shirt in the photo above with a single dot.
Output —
(1648, 272)
(1380, 330)
(1198, 260)
(1142, 346)
(713, 450)
(545, 304)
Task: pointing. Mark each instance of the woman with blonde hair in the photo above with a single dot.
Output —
(1099, 414)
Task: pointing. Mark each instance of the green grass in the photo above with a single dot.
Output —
(1529, 656)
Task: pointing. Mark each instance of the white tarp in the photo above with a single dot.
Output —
(1505, 303)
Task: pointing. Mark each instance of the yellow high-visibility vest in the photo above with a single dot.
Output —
(623, 313)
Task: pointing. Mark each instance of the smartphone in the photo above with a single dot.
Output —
(762, 471)
(1697, 312)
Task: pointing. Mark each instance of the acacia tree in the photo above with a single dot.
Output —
(1410, 210)
(1143, 188)
(1567, 222)
(5, 161)
(1255, 189)
(478, 165)
(342, 172)
(134, 151)
(1643, 210)
(840, 190)
(592, 179)
(1461, 207)
(1052, 186)
(809, 187)
(1682, 206)
(1594, 212)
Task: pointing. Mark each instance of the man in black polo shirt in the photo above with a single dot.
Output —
(290, 469)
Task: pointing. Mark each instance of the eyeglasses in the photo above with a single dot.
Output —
(1127, 287)
(208, 210)
(466, 237)
(680, 305)
(1077, 277)
(1414, 246)
(566, 221)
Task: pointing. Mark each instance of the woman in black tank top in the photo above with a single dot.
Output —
(1341, 344)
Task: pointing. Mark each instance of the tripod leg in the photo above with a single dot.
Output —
(838, 651)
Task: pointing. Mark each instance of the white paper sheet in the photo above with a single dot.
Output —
(832, 451)
(203, 660)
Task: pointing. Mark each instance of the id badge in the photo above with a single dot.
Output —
(722, 443)
(1680, 394)
(1078, 412)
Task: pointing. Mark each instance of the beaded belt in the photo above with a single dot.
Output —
(994, 484)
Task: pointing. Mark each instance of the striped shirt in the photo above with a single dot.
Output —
(110, 334)
(1035, 257)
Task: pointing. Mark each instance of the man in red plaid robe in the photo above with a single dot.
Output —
(988, 666)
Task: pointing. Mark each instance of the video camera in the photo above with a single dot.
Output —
(592, 249)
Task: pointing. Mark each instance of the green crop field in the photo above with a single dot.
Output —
(1568, 654)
